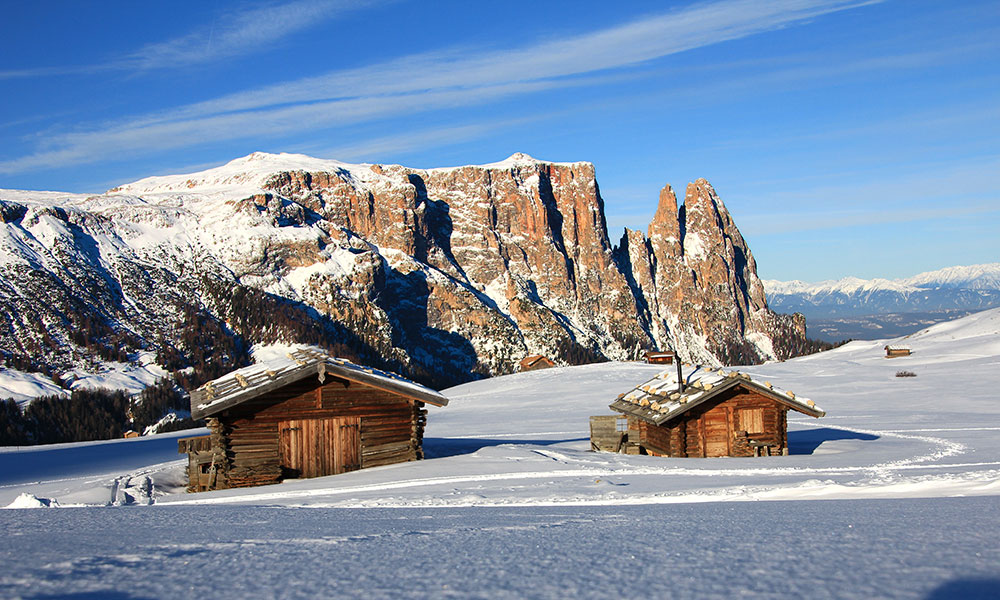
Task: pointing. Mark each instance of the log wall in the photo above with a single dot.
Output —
(246, 440)
(719, 429)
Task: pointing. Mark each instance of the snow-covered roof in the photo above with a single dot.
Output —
(250, 382)
(658, 400)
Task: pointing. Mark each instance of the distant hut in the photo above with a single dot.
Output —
(712, 413)
(896, 351)
(535, 362)
(659, 357)
(131, 433)
(306, 415)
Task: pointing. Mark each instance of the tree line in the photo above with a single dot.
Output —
(91, 414)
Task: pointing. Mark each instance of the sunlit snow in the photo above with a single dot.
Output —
(894, 493)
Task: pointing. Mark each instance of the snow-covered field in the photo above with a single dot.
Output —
(895, 493)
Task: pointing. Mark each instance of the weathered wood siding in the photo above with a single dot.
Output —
(308, 429)
(321, 446)
(199, 451)
(741, 423)
(608, 433)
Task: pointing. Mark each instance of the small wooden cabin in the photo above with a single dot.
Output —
(659, 357)
(535, 362)
(713, 413)
(306, 415)
(896, 351)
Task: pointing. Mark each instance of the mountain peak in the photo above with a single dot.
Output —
(239, 177)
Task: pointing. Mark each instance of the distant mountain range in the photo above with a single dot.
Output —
(875, 308)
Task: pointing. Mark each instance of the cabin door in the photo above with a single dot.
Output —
(717, 429)
(317, 447)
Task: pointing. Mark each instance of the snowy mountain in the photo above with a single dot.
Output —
(970, 288)
(906, 469)
(444, 275)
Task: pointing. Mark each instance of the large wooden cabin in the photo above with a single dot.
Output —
(713, 413)
(306, 415)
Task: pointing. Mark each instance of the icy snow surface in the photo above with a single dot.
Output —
(511, 503)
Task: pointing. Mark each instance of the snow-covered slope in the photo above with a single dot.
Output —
(908, 468)
(506, 440)
(239, 178)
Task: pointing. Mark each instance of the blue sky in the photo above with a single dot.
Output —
(847, 137)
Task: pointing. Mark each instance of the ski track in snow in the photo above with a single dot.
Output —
(880, 477)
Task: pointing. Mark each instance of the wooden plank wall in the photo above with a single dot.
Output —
(714, 430)
(199, 451)
(605, 435)
(391, 427)
(317, 447)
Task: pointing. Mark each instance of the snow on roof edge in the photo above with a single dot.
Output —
(658, 399)
(248, 382)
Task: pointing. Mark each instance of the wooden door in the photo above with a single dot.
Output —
(317, 447)
(717, 434)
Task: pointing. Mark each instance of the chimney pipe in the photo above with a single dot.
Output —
(680, 375)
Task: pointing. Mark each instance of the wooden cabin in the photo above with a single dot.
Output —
(896, 351)
(306, 415)
(535, 362)
(712, 413)
(131, 433)
(659, 357)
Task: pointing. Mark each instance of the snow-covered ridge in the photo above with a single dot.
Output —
(973, 277)
(982, 327)
(847, 285)
(248, 173)
(518, 159)
(984, 276)
(31, 196)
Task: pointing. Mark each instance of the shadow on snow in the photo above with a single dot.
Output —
(799, 442)
(806, 441)
(443, 447)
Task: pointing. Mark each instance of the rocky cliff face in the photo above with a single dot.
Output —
(445, 274)
(697, 279)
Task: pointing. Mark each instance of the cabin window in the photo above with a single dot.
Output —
(621, 424)
(752, 420)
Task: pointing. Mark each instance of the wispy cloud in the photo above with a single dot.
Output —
(240, 33)
(235, 33)
(84, 147)
(410, 84)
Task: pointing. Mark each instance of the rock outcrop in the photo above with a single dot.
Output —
(445, 274)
